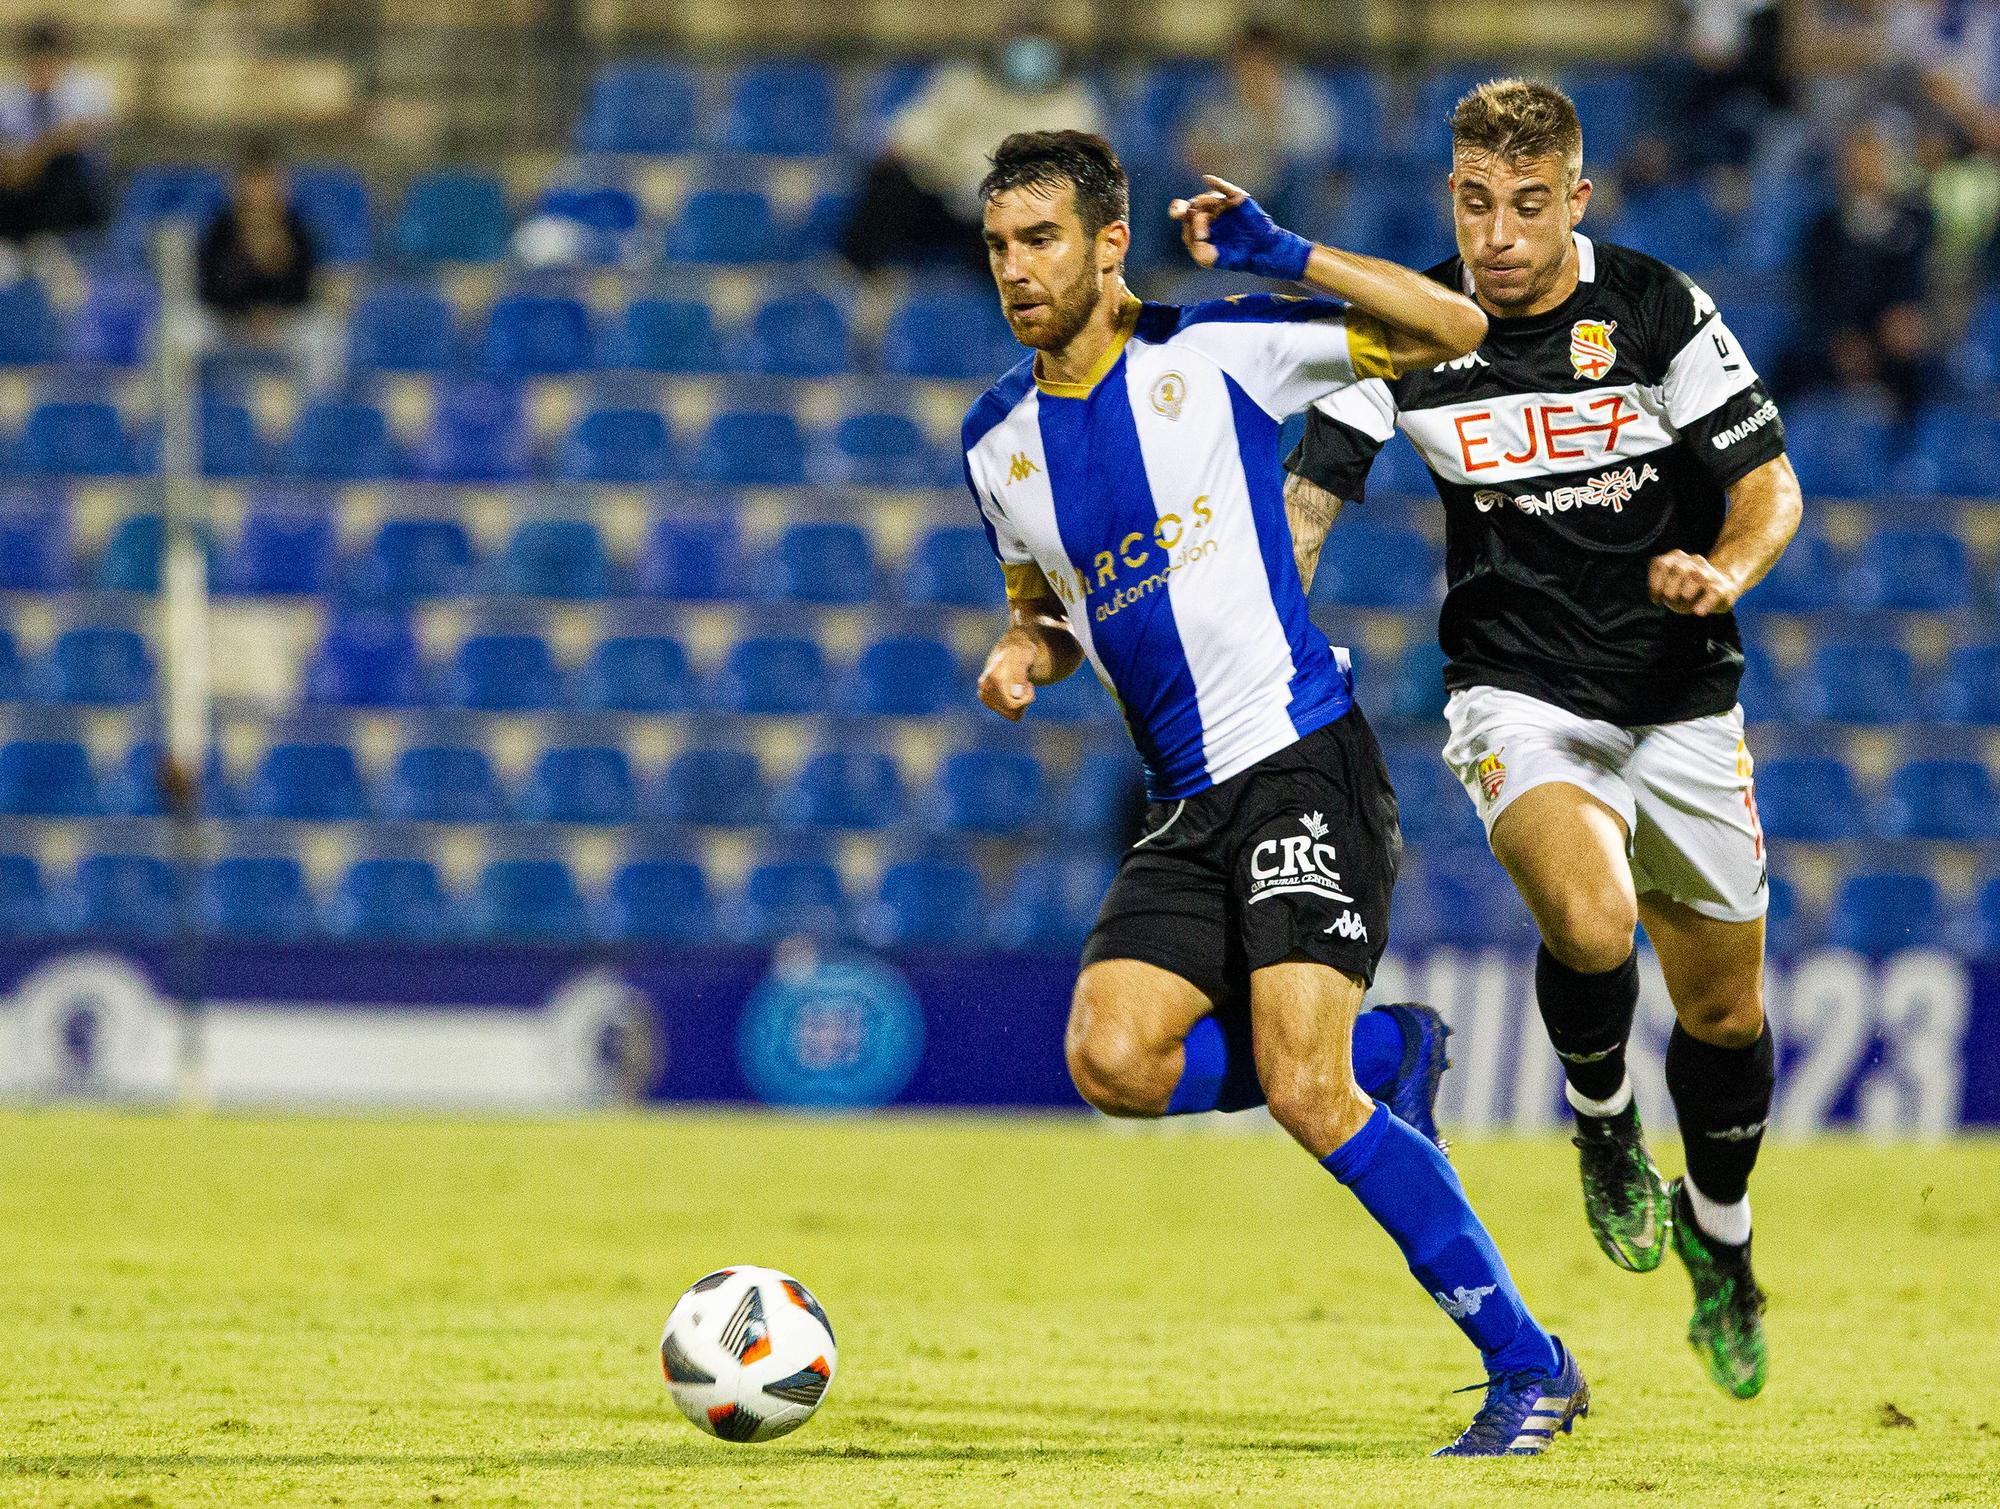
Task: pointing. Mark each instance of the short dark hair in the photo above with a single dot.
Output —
(1079, 158)
(1517, 120)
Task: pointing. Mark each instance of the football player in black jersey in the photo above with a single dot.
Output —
(1614, 480)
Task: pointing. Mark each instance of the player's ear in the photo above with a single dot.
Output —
(1112, 244)
(1579, 198)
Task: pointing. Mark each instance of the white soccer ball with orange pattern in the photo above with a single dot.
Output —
(748, 1353)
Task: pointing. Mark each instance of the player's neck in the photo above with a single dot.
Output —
(1080, 361)
(1565, 284)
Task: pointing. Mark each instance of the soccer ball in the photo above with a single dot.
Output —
(748, 1353)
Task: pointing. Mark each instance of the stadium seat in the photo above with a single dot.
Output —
(1969, 691)
(505, 673)
(666, 335)
(636, 106)
(825, 563)
(716, 788)
(1462, 899)
(1953, 800)
(618, 445)
(950, 334)
(418, 558)
(131, 558)
(1911, 570)
(1104, 797)
(231, 444)
(335, 440)
(478, 434)
(1857, 681)
(883, 91)
(528, 901)
(453, 217)
(130, 895)
(262, 897)
(989, 792)
(748, 449)
(34, 547)
(789, 898)
(367, 659)
(1051, 904)
(1839, 445)
(881, 450)
(695, 559)
(1435, 812)
(1679, 224)
(27, 325)
(23, 903)
(403, 328)
(1415, 690)
(282, 551)
(926, 903)
(954, 567)
(1811, 798)
(638, 674)
(561, 558)
(1878, 914)
(730, 227)
(907, 678)
(531, 335)
(588, 223)
(772, 675)
(659, 901)
(799, 335)
(113, 326)
(1950, 452)
(1614, 101)
(76, 439)
(782, 108)
(584, 785)
(1078, 698)
(154, 192)
(332, 199)
(844, 788)
(442, 784)
(133, 789)
(391, 900)
(1805, 578)
(308, 782)
(1368, 565)
(103, 666)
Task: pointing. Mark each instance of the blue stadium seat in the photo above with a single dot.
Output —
(336, 440)
(76, 439)
(478, 434)
(844, 788)
(528, 901)
(696, 559)
(1434, 809)
(34, 547)
(1804, 580)
(825, 563)
(1879, 914)
(125, 894)
(231, 444)
(659, 901)
(1463, 899)
(907, 678)
(102, 666)
(666, 335)
(730, 227)
(799, 335)
(534, 335)
(783, 108)
(596, 220)
(989, 792)
(1969, 691)
(590, 784)
(1157, 108)
(1951, 453)
(113, 326)
(1679, 224)
(453, 217)
(638, 674)
(1613, 101)
(1077, 698)
(1952, 800)
(817, 234)
(1051, 904)
(408, 327)
(561, 558)
(1104, 797)
(23, 903)
(367, 659)
(391, 900)
(166, 191)
(884, 90)
(1857, 681)
(309, 782)
(618, 445)
(715, 788)
(282, 551)
(1810, 798)
(1917, 570)
(256, 897)
(789, 898)
(1358, 98)
(953, 334)
(882, 450)
(926, 903)
(12, 675)
(954, 566)
(133, 789)
(27, 325)
(637, 106)
(1839, 445)
(505, 673)
(1978, 357)
(772, 675)
(131, 558)
(332, 199)
(1415, 690)
(443, 784)
(1376, 566)
(418, 558)
(749, 449)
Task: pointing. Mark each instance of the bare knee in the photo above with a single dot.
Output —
(1319, 1109)
(1111, 1061)
(1725, 1018)
(1590, 934)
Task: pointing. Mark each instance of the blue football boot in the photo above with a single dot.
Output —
(1523, 1412)
(1412, 1098)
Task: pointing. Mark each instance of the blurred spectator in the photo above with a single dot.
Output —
(1953, 49)
(1864, 279)
(1266, 126)
(1724, 82)
(920, 202)
(53, 124)
(255, 271)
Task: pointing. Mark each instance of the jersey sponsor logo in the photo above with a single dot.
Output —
(1140, 563)
(1463, 1303)
(1744, 428)
(1612, 490)
(1491, 773)
(1591, 353)
(1297, 863)
(1020, 468)
(1168, 394)
(1531, 434)
(1350, 927)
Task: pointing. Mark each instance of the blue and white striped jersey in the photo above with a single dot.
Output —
(1151, 498)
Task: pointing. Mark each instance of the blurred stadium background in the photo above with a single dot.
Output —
(591, 660)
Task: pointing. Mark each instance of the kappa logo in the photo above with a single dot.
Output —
(1467, 362)
(1350, 927)
(1169, 393)
(1737, 1134)
(1463, 1303)
(1590, 350)
(1020, 468)
(1492, 774)
(1297, 864)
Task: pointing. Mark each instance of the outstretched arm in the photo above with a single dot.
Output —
(1037, 648)
(1764, 513)
(1310, 509)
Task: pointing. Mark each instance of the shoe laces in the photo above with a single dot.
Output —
(1509, 1397)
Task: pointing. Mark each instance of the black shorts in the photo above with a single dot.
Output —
(1296, 855)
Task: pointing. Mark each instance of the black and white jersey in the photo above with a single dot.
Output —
(1570, 449)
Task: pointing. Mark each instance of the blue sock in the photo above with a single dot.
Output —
(1414, 1194)
(1220, 1072)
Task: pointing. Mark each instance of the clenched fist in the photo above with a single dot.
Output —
(1691, 584)
(1003, 684)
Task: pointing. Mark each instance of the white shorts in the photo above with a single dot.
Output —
(1683, 790)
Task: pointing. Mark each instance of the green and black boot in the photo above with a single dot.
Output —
(1727, 1331)
(1624, 1197)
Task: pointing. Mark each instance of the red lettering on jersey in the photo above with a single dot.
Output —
(1527, 429)
(1551, 430)
(1467, 442)
(1618, 420)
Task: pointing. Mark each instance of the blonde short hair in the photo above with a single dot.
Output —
(1518, 120)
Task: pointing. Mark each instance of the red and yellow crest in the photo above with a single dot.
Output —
(1590, 348)
(1492, 773)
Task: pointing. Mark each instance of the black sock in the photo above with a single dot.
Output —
(1723, 1098)
(1589, 1017)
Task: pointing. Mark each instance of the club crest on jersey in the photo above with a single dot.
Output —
(1492, 773)
(1169, 393)
(1590, 350)
(1296, 864)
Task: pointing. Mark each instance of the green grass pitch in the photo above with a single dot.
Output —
(315, 1311)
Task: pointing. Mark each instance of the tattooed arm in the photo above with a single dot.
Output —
(1311, 510)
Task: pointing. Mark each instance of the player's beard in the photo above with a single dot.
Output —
(1067, 311)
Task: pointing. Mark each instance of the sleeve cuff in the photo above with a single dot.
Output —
(1368, 347)
(1024, 582)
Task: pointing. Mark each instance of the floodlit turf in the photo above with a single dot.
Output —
(322, 1311)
